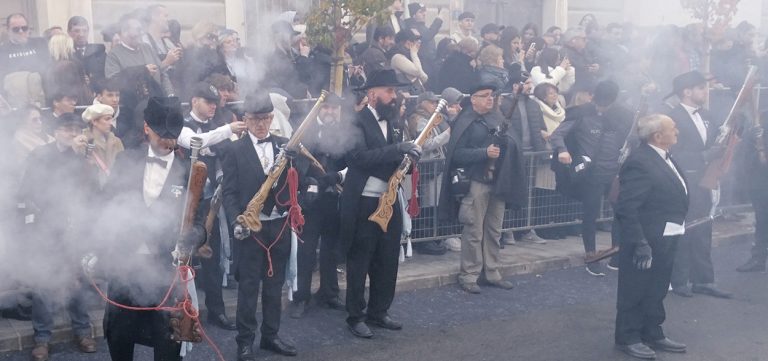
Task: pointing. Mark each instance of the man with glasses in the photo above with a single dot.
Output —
(493, 162)
(133, 52)
(260, 258)
(21, 53)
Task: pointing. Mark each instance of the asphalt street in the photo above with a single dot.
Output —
(558, 315)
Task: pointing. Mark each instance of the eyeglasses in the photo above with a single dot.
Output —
(20, 29)
(261, 118)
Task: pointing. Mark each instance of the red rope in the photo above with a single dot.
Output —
(295, 217)
(413, 203)
(184, 273)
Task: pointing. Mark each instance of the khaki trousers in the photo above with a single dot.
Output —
(482, 217)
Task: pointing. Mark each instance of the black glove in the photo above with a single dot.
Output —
(714, 153)
(411, 149)
(642, 257)
(329, 179)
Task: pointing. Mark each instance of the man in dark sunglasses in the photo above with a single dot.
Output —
(21, 52)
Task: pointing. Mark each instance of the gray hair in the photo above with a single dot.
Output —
(649, 125)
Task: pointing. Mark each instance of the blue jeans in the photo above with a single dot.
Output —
(42, 315)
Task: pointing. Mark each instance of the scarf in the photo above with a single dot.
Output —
(552, 117)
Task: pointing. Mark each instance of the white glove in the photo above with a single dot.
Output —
(241, 231)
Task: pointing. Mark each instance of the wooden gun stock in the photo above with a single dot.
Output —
(250, 217)
(384, 211)
(198, 176)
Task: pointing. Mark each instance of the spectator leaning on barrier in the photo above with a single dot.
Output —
(472, 148)
(432, 149)
(590, 138)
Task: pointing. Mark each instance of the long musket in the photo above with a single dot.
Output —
(729, 135)
(316, 163)
(384, 211)
(250, 218)
(642, 107)
(198, 174)
(605, 253)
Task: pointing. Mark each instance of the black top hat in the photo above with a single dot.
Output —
(163, 115)
(258, 102)
(205, 91)
(383, 78)
(686, 81)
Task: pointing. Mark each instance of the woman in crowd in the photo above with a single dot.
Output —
(405, 60)
(66, 72)
(553, 69)
(529, 32)
(549, 100)
(490, 68)
(99, 133)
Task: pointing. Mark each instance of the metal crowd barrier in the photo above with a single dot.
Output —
(545, 207)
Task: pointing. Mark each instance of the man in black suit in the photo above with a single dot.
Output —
(323, 139)
(145, 201)
(376, 153)
(694, 151)
(92, 56)
(259, 257)
(651, 209)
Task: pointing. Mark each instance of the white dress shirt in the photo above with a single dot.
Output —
(266, 155)
(671, 229)
(155, 176)
(697, 121)
(210, 138)
(382, 122)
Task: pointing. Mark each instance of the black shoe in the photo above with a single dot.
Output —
(278, 346)
(334, 303)
(682, 291)
(384, 322)
(360, 329)
(613, 264)
(298, 309)
(753, 265)
(637, 350)
(222, 321)
(430, 248)
(667, 345)
(245, 353)
(710, 290)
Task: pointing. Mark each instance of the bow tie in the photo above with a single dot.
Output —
(666, 156)
(163, 163)
(265, 140)
(697, 111)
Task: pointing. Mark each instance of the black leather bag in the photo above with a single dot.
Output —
(459, 182)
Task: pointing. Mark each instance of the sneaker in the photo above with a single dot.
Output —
(533, 237)
(453, 244)
(595, 269)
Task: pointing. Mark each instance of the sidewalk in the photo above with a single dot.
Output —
(415, 273)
